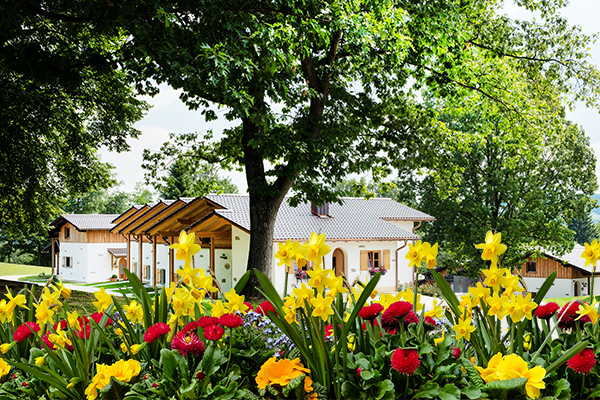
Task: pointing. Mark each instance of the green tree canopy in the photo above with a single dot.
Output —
(585, 229)
(494, 171)
(62, 96)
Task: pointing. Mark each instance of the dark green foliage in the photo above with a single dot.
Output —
(584, 228)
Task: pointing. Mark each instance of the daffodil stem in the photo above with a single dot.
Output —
(592, 285)
(416, 290)
(229, 358)
(285, 285)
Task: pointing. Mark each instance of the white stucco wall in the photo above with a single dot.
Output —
(351, 250)
(91, 261)
(560, 287)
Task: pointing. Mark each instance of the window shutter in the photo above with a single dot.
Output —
(386, 259)
(290, 268)
(364, 260)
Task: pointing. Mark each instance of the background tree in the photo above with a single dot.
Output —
(188, 179)
(62, 97)
(585, 229)
(491, 171)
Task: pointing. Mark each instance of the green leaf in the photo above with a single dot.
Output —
(566, 356)
(115, 390)
(212, 360)
(450, 392)
(541, 294)
(447, 292)
(474, 376)
(507, 384)
(562, 390)
(168, 359)
(367, 374)
(430, 390)
(242, 282)
(350, 391)
(386, 388)
(471, 392)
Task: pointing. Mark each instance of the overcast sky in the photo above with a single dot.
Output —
(169, 114)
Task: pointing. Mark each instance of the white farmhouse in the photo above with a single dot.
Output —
(362, 234)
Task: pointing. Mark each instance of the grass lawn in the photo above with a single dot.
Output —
(561, 301)
(35, 278)
(19, 269)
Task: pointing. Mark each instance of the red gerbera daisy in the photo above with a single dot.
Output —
(328, 330)
(187, 343)
(388, 323)
(398, 309)
(370, 312)
(24, 331)
(207, 321)
(63, 325)
(410, 318)
(230, 320)
(430, 321)
(156, 331)
(456, 352)
(405, 361)
(264, 308)
(583, 362)
(250, 306)
(84, 332)
(213, 332)
(98, 316)
(546, 311)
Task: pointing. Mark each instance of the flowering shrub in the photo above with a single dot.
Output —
(377, 270)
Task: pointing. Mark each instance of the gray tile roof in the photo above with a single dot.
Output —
(85, 222)
(573, 258)
(356, 219)
(120, 252)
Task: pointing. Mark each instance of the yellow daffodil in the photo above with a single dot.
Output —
(16, 301)
(479, 293)
(589, 310)
(218, 309)
(60, 338)
(440, 339)
(134, 312)
(322, 307)
(496, 306)
(235, 302)
(315, 248)
(299, 258)
(73, 319)
(6, 313)
(319, 278)
(463, 329)
(492, 247)
(494, 276)
(303, 293)
(4, 368)
(336, 286)
(429, 254)
(187, 273)
(287, 251)
(186, 247)
(490, 373)
(43, 314)
(205, 282)
(51, 298)
(414, 254)
(511, 284)
(39, 361)
(409, 296)
(99, 381)
(591, 253)
(5, 347)
(62, 289)
(436, 311)
(182, 301)
(518, 306)
(104, 300)
(385, 299)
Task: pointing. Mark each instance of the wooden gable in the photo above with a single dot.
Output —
(216, 228)
(545, 266)
(119, 228)
(125, 215)
(183, 217)
(70, 234)
(155, 217)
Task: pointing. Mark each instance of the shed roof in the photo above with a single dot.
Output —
(85, 222)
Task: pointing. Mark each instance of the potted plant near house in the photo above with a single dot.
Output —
(114, 278)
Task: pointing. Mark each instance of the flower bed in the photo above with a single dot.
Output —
(324, 340)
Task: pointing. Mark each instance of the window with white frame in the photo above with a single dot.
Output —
(67, 262)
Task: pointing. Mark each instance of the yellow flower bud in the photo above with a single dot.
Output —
(39, 361)
(5, 347)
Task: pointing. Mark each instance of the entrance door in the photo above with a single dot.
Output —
(576, 291)
(122, 265)
(223, 268)
(339, 263)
